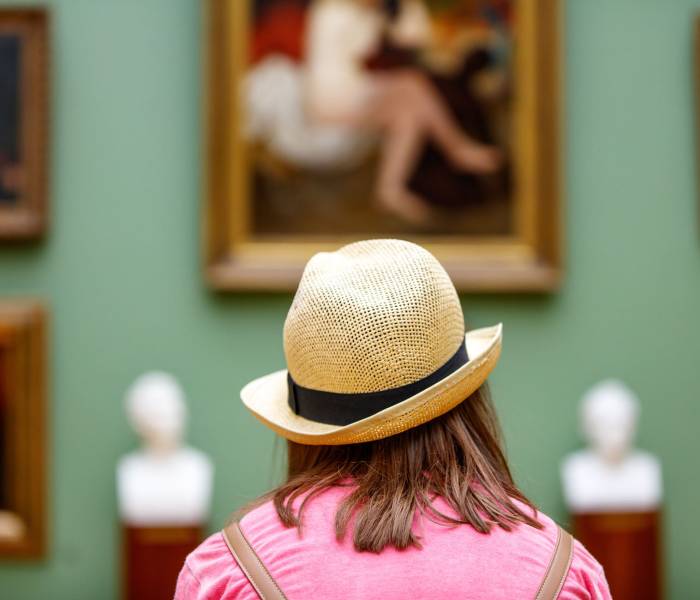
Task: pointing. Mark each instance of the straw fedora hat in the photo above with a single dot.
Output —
(375, 344)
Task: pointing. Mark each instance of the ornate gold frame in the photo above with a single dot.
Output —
(696, 86)
(528, 261)
(23, 339)
(29, 220)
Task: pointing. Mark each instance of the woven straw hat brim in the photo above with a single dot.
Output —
(266, 398)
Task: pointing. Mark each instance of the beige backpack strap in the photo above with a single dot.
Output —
(250, 564)
(558, 568)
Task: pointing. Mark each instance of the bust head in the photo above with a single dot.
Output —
(609, 412)
(155, 407)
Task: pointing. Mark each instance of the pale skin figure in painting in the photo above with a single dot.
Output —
(403, 104)
(11, 526)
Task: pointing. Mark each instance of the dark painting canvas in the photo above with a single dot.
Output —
(10, 56)
(23, 122)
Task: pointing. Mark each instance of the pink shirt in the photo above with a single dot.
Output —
(455, 562)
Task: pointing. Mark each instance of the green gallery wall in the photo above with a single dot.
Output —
(120, 271)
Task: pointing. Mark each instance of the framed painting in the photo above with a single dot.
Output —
(22, 429)
(696, 82)
(23, 122)
(436, 121)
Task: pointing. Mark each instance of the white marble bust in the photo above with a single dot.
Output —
(611, 475)
(163, 483)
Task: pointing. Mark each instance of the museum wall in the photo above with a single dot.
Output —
(121, 273)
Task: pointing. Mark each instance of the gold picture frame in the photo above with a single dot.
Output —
(696, 89)
(23, 421)
(24, 39)
(528, 259)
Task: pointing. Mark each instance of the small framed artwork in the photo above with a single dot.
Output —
(696, 69)
(22, 429)
(330, 121)
(23, 122)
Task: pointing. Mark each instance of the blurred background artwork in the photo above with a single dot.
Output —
(23, 122)
(385, 118)
(380, 107)
(614, 493)
(164, 489)
(22, 429)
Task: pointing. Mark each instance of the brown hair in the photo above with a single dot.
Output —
(457, 457)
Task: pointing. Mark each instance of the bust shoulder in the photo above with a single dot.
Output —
(592, 484)
(164, 489)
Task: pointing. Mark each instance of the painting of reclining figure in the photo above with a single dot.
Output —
(417, 119)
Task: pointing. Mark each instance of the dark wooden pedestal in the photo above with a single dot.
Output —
(152, 558)
(628, 545)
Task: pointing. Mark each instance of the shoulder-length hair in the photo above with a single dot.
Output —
(457, 457)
